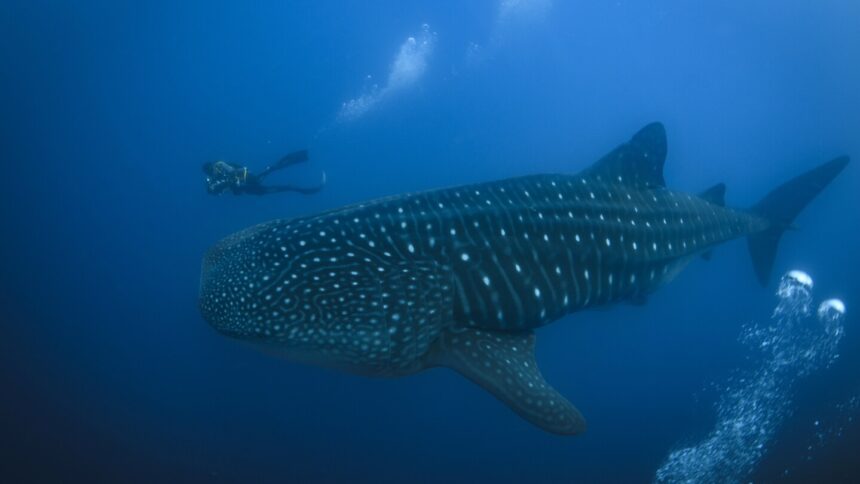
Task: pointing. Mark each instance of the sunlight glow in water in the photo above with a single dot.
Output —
(509, 9)
(792, 344)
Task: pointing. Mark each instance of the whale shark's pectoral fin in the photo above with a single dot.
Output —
(504, 365)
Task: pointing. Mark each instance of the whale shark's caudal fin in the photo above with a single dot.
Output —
(504, 365)
(781, 206)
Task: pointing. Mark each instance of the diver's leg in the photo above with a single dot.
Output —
(288, 160)
(292, 188)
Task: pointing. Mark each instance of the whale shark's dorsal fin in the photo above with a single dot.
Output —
(504, 365)
(638, 162)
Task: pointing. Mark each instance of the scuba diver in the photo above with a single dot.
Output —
(222, 176)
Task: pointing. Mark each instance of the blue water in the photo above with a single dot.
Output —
(109, 373)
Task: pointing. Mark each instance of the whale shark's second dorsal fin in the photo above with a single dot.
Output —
(504, 365)
(638, 162)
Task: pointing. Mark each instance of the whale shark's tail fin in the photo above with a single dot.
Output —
(781, 206)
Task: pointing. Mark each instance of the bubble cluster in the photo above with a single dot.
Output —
(408, 67)
(792, 344)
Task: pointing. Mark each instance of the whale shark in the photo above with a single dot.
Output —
(461, 277)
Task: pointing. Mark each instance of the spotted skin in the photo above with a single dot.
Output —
(459, 277)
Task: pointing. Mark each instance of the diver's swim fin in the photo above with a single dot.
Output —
(292, 158)
(311, 190)
(295, 188)
(288, 160)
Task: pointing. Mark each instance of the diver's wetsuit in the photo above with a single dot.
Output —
(222, 176)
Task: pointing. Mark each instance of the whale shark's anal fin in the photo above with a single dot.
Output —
(504, 365)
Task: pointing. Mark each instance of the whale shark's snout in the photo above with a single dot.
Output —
(227, 284)
(214, 293)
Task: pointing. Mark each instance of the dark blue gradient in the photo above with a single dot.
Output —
(108, 372)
